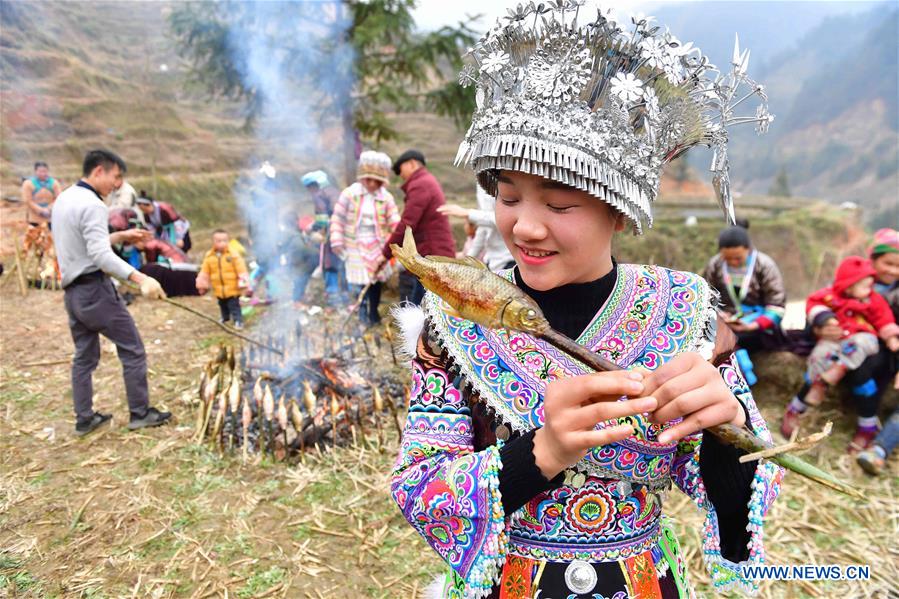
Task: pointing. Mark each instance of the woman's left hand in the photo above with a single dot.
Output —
(691, 388)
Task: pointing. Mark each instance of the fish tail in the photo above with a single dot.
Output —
(408, 252)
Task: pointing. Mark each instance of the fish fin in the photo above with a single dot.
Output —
(472, 261)
(466, 261)
(444, 259)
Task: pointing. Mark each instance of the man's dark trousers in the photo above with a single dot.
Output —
(95, 309)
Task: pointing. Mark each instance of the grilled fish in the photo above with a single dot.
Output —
(472, 290)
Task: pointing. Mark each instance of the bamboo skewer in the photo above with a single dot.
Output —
(729, 433)
(797, 445)
(20, 274)
(353, 309)
(470, 290)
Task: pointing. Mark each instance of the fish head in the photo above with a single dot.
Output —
(523, 314)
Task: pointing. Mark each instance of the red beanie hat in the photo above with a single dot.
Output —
(850, 271)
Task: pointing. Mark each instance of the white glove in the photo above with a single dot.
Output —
(150, 288)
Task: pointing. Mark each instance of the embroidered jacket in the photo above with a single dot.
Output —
(762, 293)
(360, 250)
(446, 481)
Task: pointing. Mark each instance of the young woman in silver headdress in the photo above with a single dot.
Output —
(529, 475)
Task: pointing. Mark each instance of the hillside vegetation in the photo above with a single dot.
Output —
(832, 88)
(79, 75)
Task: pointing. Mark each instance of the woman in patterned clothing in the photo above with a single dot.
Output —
(529, 475)
(364, 217)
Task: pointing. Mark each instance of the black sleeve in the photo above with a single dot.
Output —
(728, 484)
(520, 479)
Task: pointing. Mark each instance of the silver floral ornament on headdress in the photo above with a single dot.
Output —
(600, 107)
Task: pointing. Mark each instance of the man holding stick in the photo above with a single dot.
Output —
(94, 307)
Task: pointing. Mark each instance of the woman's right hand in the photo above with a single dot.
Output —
(453, 210)
(572, 407)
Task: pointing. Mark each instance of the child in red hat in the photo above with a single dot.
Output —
(851, 318)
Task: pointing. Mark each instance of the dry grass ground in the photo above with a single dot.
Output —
(150, 514)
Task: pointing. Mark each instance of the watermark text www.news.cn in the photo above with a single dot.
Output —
(807, 572)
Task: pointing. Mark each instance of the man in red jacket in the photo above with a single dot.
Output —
(430, 228)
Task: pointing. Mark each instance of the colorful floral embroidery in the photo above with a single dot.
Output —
(590, 510)
(640, 574)
(450, 493)
(510, 370)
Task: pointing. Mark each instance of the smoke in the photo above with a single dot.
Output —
(295, 58)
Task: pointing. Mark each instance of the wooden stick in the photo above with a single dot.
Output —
(353, 309)
(10, 274)
(221, 325)
(20, 274)
(799, 445)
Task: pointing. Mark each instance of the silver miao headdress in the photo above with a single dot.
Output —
(600, 107)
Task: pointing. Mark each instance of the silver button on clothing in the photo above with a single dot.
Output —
(580, 577)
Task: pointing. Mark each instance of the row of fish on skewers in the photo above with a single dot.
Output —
(291, 418)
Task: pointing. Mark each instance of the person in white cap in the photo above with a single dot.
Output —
(364, 218)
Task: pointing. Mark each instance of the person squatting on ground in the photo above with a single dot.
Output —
(226, 272)
(83, 248)
(752, 292)
(863, 318)
(487, 245)
(155, 258)
(364, 217)
(431, 229)
(527, 473)
(300, 255)
(324, 197)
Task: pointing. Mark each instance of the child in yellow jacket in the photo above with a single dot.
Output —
(225, 270)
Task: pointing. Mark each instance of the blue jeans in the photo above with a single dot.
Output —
(335, 282)
(889, 436)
